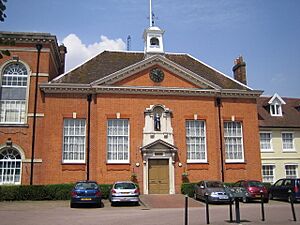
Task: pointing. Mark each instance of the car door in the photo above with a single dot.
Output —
(276, 189)
(286, 187)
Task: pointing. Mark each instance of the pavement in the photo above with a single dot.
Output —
(153, 210)
(167, 201)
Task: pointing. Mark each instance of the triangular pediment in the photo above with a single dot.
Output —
(159, 145)
(276, 99)
(138, 75)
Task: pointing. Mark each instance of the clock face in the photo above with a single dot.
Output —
(157, 75)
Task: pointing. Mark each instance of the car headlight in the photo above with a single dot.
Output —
(213, 194)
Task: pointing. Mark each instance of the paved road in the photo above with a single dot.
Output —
(59, 213)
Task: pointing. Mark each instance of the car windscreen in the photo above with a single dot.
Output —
(214, 184)
(124, 186)
(255, 184)
(84, 186)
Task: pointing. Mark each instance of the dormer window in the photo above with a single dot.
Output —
(276, 110)
(276, 103)
(154, 42)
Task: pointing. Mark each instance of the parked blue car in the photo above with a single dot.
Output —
(285, 189)
(86, 192)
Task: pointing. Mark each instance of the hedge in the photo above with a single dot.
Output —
(43, 192)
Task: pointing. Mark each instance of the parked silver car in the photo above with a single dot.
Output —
(124, 191)
(215, 191)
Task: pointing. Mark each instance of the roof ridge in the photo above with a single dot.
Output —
(223, 74)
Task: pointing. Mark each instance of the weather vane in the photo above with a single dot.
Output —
(152, 17)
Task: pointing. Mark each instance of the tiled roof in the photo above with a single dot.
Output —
(290, 113)
(108, 62)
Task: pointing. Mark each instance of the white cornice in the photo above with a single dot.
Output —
(86, 88)
(25, 49)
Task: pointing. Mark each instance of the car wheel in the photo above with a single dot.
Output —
(245, 199)
(112, 204)
(290, 199)
(72, 205)
(271, 196)
(99, 205)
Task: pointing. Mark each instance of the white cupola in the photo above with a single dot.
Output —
(153, 37)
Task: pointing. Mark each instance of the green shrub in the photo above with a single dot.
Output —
(188, 189)
(105, 189)
(43, 192)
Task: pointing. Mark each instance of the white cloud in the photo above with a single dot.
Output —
(78, 52)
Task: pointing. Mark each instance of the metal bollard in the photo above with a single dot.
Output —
(291, 198)
(230, 209)
(207, 208)
(237, 211)
(262, 205)
(186, 211)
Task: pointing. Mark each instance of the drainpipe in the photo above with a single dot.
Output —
(219, 105)
(38, 47)
(89, 99)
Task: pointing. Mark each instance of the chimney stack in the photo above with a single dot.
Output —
(62, 51)
(239, 70)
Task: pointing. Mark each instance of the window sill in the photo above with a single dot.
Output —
(117, 163)
(267, 151)
(71, 163)
(235, 162)
(23, 125)
(289, 150)
(197, 162)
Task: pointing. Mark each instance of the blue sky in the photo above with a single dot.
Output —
(265, 32)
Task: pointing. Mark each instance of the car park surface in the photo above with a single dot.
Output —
(59, 213)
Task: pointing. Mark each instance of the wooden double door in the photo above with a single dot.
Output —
(158, 176)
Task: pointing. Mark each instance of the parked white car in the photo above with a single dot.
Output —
(124, 191)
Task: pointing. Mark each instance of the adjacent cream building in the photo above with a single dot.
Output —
(279, 125)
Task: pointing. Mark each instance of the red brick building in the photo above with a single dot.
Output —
(158, 118)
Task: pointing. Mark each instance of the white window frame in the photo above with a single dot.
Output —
(272, 180)
(296, 170)
(197, 140)
(233, 140)
(72, 141)
(260, 142)
(283, 143)
(18, 112)
(21, 105)
(113, 138)
(275, 109)
(7, 167)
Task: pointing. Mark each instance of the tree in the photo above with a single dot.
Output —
(2, 9)
(2, 17)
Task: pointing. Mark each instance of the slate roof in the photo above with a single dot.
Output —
(290, 111)
(109, 62)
